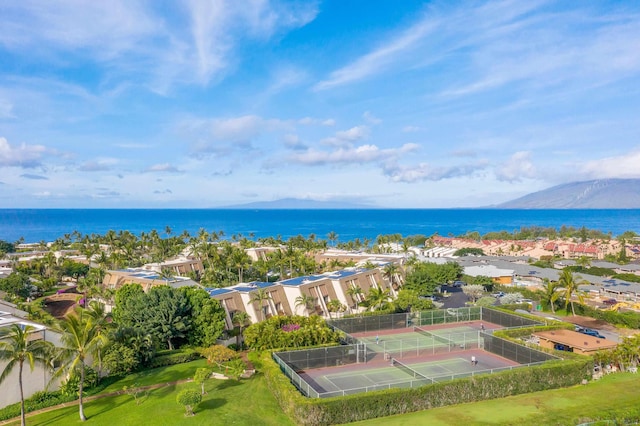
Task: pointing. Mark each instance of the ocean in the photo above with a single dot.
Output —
(48, 224)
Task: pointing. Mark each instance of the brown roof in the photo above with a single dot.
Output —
(576, 340)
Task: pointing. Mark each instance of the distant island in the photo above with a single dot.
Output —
(593, 194)
(297, 203)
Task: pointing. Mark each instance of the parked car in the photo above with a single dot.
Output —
(458, 284)
(609, 301)
(499, 294)
(589, 332)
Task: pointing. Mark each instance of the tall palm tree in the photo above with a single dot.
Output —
(335, 306)
(390, 272)
(550, 293)
(102, 321)
(306, 301)
(570, 286)
(16, 347)
(356, 293)
(260, 297)
(81, 337)
(240, 319)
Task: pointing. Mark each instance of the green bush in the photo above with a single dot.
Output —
(290, 332)
(623, 319)
(346, 409)
(181, 356)
(37, 401)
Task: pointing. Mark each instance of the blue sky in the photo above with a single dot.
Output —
(394, 104)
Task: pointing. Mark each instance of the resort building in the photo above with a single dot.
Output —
(33, 381)
(182, 266)
(306, 295)
(147, 278)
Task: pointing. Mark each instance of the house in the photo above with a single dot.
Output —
(573, 341)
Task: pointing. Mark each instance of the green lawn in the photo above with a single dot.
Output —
(612, 397)
(228, 402)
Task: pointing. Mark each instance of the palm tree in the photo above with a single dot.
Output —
(333, 237)
(260, 297)
(102, 321)
(81, 337)
(356, 293)
(307, 301)
(550, 293)
(377, 298)
(335, 306)
(17, 348)
(240, 319)
(570, 286)
(390, 273)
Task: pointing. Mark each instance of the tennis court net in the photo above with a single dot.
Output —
(408, 370)
(434, 336)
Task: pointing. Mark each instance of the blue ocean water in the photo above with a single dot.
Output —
(48, 224)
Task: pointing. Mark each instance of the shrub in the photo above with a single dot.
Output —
(281, 332)
(346, 409)
(174, 357)
(189, 398)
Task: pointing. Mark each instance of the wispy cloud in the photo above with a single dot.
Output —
(425, 171)
(163, 168)
(196, 46)
(33, 177)
(344, 155)
(26, 156)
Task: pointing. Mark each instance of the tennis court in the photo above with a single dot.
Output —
(406, 373)
(408, 350)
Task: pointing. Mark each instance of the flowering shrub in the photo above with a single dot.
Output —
(290, 327)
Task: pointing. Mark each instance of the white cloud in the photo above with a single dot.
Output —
(410, 129)
(293, 142)
(26, 156)
(424, 172)
(163, 168)
(347, 137)
(516, 168)
(370, 118)
(224, 136)
(379, 59)
(197, 44)
(624, 166)
(357, 155)
(309, 121)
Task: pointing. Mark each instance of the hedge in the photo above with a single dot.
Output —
(346, 409)
(171, 358)
(37, 401)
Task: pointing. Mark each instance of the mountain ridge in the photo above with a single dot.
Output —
(592, 194)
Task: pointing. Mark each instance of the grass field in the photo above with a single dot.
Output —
(228, 402)
(612, 397)
(249, 402)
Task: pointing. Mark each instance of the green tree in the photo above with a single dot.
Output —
(569, 287)
(81, 338)
(16, 347)
(200, 377)
(377, 298)
(307, 301)
(207, 317)
(240, 319)
(390, 272)
(335, 306)
(409, 300)
(168, 314)
(550, 294)
(189, 399)
(259, 298)
(16, 284)
(356, 294)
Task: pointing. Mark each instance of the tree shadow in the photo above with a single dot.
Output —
(211, 404)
